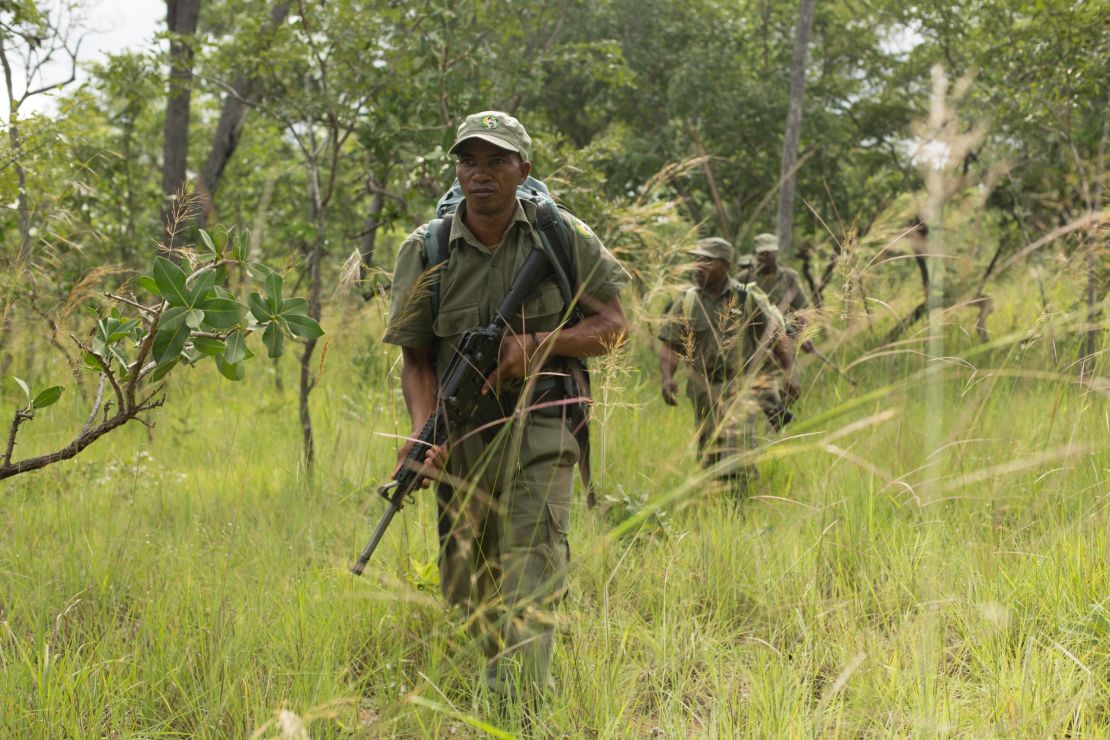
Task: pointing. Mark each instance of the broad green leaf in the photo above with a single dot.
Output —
(258, 308)
(294, 305)
(243, 246)
(202, 286)
(172, 317)
(171, 281)
(235, 348)
(47, 397)
(231, 371)
(274, 341)
(147, 283)
(208, 346)
(194, 317)
(191, 355)
(211, 245)
(119, 357)
(259, 271)
(223, 313)
(273, 292)
(163, 371)
(302, 326)
(168, 343)
(93, 362)
(26, 388)
(122, 330)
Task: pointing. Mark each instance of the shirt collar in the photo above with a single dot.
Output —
(459, 229)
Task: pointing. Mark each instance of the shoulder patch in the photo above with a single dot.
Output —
(581, 228)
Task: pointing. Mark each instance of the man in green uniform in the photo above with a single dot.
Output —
(783, 285)
(744, 265)
(505, 491)
(726, 332)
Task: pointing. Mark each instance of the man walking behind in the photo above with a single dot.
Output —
(725, 332)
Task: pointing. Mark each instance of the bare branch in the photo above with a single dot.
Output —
(96, 405)
(20, 417)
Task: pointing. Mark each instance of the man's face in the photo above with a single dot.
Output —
(709, 271)
(489, 176)
(766, 261)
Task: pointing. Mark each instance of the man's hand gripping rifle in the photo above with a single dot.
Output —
(458, 397)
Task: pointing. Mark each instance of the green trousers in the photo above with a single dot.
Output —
(503, 523)
(726, 419)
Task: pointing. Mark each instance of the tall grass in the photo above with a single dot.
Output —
(191, 581)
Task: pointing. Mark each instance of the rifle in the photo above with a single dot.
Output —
(833, 365)
(459, 394)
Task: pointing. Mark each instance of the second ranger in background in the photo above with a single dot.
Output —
(724, 331)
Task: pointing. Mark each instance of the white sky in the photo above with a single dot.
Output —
(109, 26)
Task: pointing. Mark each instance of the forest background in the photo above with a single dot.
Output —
(927, 552)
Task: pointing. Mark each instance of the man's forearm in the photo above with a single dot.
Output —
(418, 384)
(668, 363)
(594, 335)
(783, 350)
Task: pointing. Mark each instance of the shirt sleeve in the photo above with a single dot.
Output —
(598, 274)
(673, 331)
(410, 308)
(766, 318)
(800, 301)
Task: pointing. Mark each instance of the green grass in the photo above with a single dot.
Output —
(190, 581)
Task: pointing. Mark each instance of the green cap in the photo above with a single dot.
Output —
(715, 248)
(766, 243)
(499, 129)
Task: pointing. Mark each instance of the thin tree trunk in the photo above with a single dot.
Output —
(181, 20)
(229, 129)
(1094, 268)
(785, 222)
(369, 241)
(718, 204)
(17, 162)
(315, 259)
(934, 278)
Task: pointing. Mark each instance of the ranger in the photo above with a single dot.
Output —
(725, 332)
(505, 490)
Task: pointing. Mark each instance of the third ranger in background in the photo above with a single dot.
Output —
(783, 287)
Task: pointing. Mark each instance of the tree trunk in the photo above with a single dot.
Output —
(181, 20)
(785, 223)
(315, 258)
(369, 241)
(229, 129)
(17, 162)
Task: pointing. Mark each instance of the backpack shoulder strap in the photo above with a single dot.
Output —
(435, 250)
(553, 236)
(689, 300)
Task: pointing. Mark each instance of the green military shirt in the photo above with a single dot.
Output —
(784, 288)
(719, 336)
(474, 278)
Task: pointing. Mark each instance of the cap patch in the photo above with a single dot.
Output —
(582, 229)
(490, 122)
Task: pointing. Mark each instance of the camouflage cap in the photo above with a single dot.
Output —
(715, 248)
(745, 260)
(766, 243)
(499, 129)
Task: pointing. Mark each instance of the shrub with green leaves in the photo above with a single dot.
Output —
(194, 316)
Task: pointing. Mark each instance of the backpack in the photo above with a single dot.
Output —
(549, 224)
